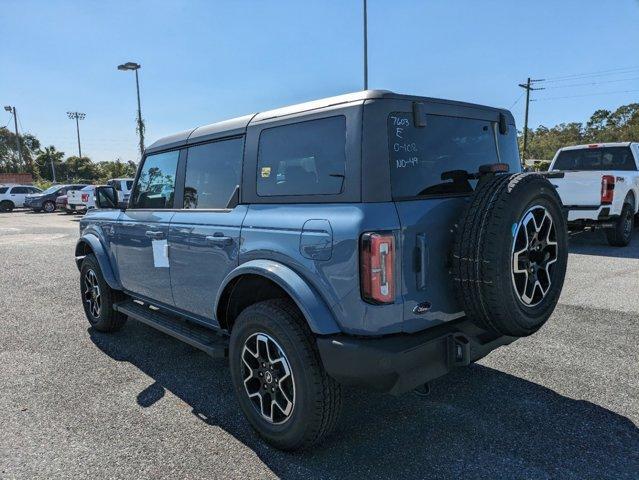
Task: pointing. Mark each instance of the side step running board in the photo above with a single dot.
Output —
(199, 337)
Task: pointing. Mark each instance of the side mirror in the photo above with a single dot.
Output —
(106, 197)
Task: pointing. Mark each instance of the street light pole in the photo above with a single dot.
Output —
(15, 124)
(77, 116)
(135, 67)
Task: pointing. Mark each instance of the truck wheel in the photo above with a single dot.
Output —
(6, 206)
(48, 207)
(278, 376)
(621, 234)
(510, 254)
(98, 298)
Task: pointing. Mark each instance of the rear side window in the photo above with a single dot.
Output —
(603, 158)
(423, 160)
(213, 171)
(156, 184)
(306, 158)
(4, 189)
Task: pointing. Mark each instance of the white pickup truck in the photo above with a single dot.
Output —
(600, 187)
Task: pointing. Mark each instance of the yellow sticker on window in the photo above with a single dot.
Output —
(266, 172)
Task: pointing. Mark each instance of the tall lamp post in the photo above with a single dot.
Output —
(135, 67)
(15, 123)
(77, 116)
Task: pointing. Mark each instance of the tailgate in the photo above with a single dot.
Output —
(579, 188)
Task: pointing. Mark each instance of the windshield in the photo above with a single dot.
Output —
(602, 158)
(420, 155)
(51, 189)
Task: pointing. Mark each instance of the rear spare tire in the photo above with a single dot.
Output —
(510, 253)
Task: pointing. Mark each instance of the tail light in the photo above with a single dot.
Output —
(377, 267)
(85, 197)
(607, 189)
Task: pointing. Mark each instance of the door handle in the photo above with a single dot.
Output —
(155, 235)
(219, 239)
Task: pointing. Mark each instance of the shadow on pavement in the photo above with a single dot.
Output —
(477, 423)
(595, 243)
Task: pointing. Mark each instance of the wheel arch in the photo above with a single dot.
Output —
(91, 244)
(632, 199)
(259, 280)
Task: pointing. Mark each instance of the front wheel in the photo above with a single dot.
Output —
(278, 376)
(98, 298)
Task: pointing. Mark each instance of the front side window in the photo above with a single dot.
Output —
(431, 160)
(307, 158)
(20, 190)
(213, 170)
(156, 185)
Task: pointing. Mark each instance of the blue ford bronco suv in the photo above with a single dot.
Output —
(370, 239)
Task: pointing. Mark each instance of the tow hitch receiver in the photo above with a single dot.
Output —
(458, 350)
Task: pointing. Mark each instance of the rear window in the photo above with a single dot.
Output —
(306, 158)
(420, 155)
(4, 189)
(603, 158)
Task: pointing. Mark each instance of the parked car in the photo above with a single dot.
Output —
(123, 186)
(600, 187)
(61, 203)
(369, 239)
(12, 196)
(46, 200)
(81, 200)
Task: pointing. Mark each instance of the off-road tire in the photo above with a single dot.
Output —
(318, 397)
(108, 320)
(6, 206)
(50, 209)
(483, 253)
(621, 234)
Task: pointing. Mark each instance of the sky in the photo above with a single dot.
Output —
(205, 61)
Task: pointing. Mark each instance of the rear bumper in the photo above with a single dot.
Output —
(592, 213)
(400, 363)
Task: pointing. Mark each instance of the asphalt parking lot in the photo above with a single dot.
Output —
(563, 403)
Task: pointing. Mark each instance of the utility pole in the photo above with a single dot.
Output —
(527, 86)
(15, 124)
(77, 116)
(52, 170)
(135, 67)
(365, 46)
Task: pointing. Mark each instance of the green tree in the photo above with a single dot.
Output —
(116, 169)
(44, 160)
(9, 157)
(80, 169)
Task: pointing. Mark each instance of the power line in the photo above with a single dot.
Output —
(613, 71)
(584, 95)
(516, 101)
(593, 83)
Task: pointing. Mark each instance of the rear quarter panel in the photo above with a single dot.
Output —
(274, 231)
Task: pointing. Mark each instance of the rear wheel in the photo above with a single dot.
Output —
(48, 206)
(278, 376)
(98, 298)
(510, 254)
(6, 206)
(621, 234)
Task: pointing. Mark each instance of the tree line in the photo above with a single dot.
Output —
(620, 125)
(34, 159)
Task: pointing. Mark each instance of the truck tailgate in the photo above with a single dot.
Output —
(579, 188)
(74, 197)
